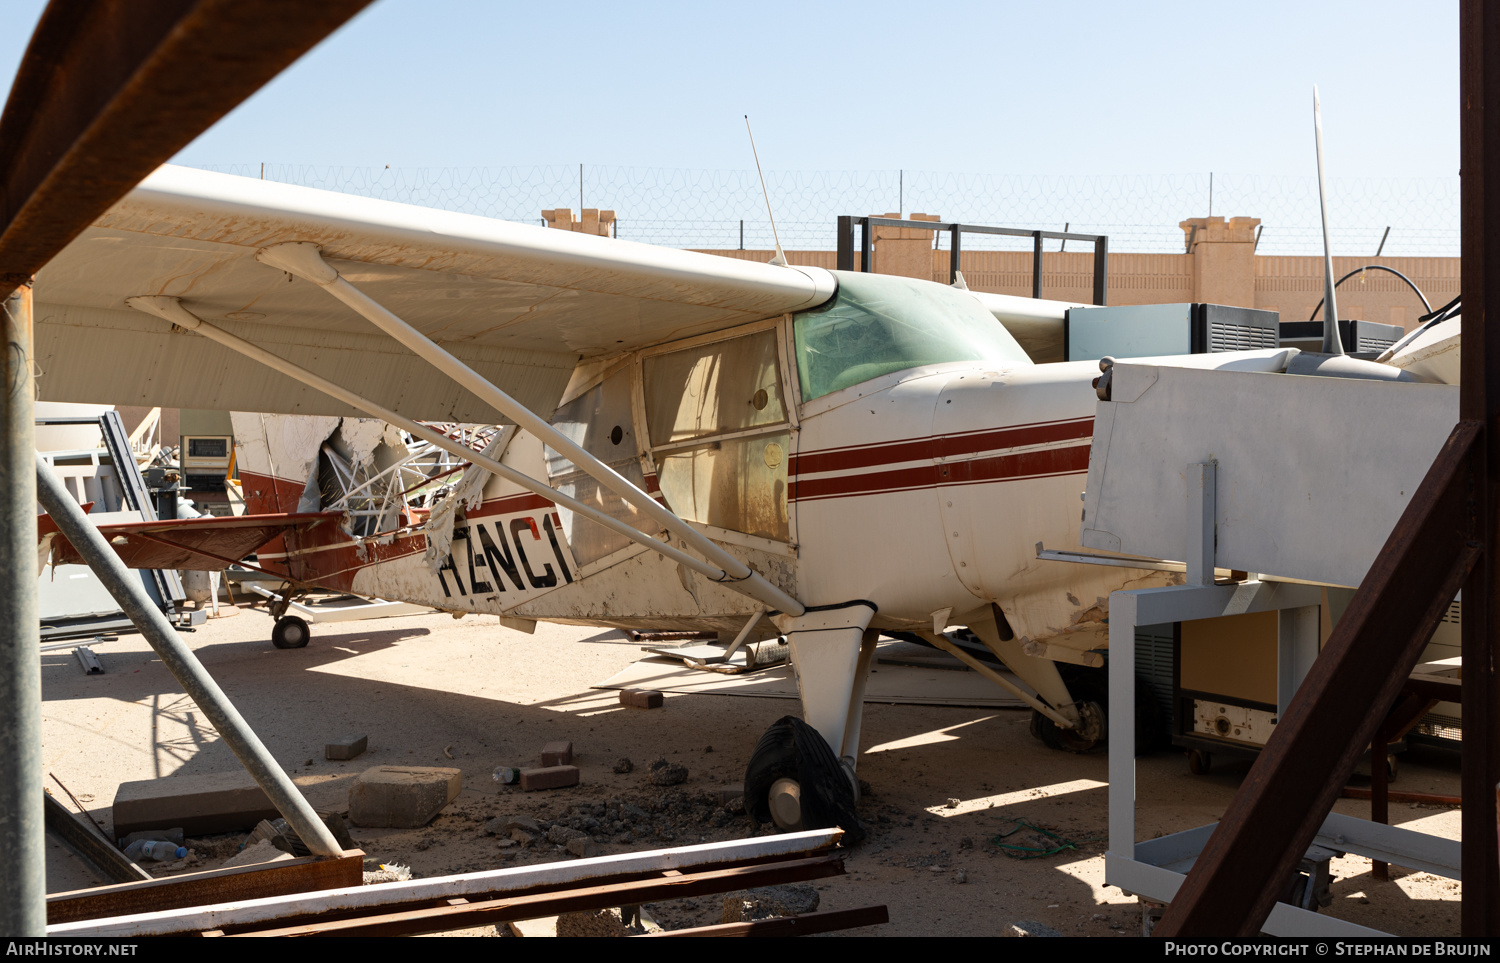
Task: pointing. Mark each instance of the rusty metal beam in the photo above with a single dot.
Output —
(110, 89)
(462, 914)
(805, 925)
(1292, 786)
(1479, 86)
(107, 91)
(303, 874)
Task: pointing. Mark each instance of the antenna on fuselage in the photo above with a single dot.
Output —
(1332, 344)
(780, 257)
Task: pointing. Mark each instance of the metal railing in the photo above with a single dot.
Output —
(867, 225)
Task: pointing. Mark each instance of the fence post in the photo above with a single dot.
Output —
(845, 261)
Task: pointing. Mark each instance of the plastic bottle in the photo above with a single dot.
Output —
(155, 849)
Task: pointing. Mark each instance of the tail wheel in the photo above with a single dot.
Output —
(795, 781)
(290, 633)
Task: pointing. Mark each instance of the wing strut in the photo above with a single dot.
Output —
(305, 260)
(755, 586)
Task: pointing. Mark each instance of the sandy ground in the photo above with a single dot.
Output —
(427, 687)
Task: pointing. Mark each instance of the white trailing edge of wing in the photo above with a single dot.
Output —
(1035, 323)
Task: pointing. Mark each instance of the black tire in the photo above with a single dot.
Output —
(1200, 763)
(1090, 687)
(792, 749)
(290, 633)
(1086, 686)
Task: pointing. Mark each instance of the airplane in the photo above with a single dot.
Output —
(689, 441)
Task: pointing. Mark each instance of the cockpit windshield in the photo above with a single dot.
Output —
(880, 323)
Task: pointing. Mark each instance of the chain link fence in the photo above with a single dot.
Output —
(725, 208)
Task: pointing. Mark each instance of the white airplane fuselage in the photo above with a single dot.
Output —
(922, 491)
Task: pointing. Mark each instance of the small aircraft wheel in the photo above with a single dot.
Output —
(1390, 768)
(795, 781)
(1090, 688)
(1200, 763)
(1088, 737)
(290, 633)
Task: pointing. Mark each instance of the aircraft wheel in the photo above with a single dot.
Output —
(290, 633)
(795, 781)
(1200, 763)
(1090, 687)
(1088, 737)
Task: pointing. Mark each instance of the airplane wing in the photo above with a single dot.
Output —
(520, 304)
(206, 544)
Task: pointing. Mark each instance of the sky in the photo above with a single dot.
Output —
(1107, 118)
(998, 87)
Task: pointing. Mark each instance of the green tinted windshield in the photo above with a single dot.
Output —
(879, 323)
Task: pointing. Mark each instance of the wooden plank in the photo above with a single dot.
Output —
(282, 878)
(804, 925)
(597, 897)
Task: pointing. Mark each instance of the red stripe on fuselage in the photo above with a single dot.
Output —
(1073, 460)
(945, 446)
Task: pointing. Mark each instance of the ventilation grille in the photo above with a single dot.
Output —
(1240, 337)
(1153, 662)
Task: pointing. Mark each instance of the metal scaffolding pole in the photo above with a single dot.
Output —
(23, 908)
(178, 658)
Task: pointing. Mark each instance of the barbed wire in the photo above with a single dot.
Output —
(690, 208)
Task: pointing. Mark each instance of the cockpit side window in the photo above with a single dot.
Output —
(878, 324)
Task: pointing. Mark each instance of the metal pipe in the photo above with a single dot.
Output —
(946, 644)
(23, 906)
(170, 309)
(305, 260)
(126, 588)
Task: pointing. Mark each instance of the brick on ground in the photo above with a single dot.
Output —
(549, 777)
(557, 754)
(641, 698)
(346, 747)
(402, 797)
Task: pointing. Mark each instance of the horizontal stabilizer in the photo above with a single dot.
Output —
(205, 544)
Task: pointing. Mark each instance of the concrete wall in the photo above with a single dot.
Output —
(1222, 268)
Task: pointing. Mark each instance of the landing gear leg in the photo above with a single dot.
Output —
(801, 775)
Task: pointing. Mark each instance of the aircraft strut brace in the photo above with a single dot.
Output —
(752, 584)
